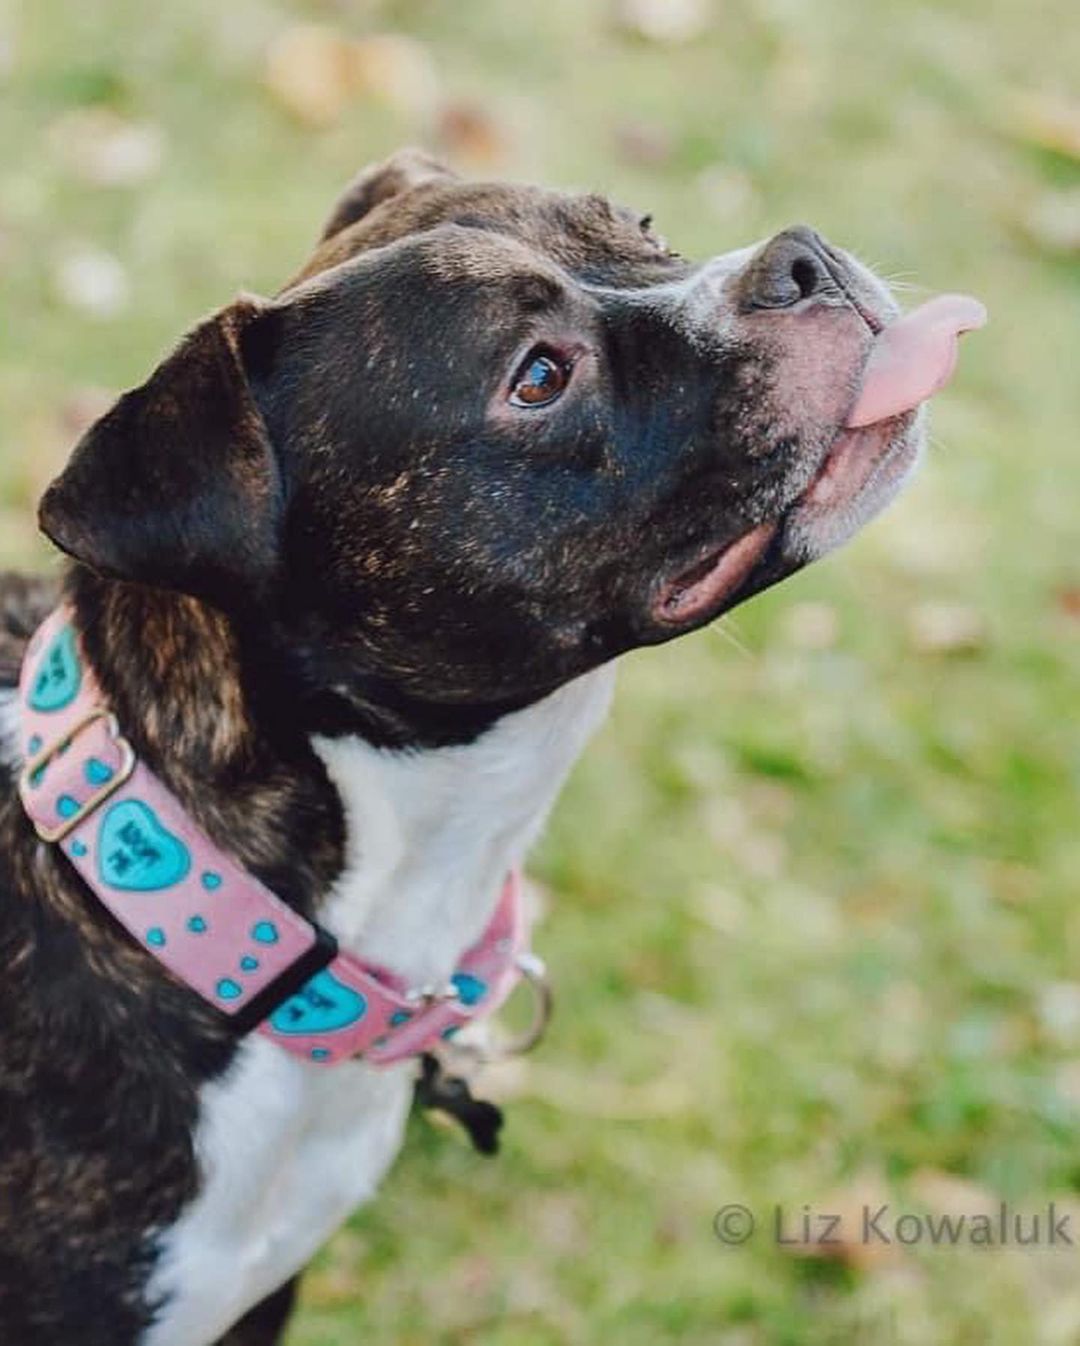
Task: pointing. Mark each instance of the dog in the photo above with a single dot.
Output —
(350, 572)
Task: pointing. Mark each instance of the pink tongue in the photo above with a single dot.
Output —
(914, 357)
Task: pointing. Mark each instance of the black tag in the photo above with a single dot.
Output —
(452, 1095)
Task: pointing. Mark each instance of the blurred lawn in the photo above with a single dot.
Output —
(814, 924)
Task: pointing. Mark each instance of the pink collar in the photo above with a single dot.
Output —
(204, 916)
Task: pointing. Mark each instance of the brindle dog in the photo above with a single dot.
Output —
(348, 540)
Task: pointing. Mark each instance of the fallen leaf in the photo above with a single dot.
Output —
(472, 136)
(1068, 601)
(946, 628)
(309, 70)
(836, 1226)
(315, 71)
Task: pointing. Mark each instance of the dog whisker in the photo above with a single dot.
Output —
(723, 627)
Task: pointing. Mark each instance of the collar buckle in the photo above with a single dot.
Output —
(426, 996)
(39, 763)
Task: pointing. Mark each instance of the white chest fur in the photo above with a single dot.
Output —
(287, 1149)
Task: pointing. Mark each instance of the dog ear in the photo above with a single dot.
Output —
(379, 182)
(177, 486)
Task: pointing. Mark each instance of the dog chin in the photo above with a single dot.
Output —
(866, 470)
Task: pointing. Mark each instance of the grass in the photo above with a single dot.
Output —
(813, 890)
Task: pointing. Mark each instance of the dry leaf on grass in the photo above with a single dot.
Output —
(1068, 602)
(315, 72)
(840, 1226)
(472, 136)
(309, 71)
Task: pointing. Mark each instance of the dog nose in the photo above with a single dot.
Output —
(790, 267)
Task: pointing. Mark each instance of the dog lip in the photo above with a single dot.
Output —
(714, 577)
(719, 574)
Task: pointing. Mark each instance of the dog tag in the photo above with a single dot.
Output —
(451, 1094)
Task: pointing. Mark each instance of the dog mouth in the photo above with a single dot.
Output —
(908, 362)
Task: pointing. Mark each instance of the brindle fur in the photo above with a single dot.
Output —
(315, 518)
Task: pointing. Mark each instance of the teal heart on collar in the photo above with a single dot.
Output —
(136, 853)
(470, 989)
(98, 772)
(59, 674)
(322, 1005)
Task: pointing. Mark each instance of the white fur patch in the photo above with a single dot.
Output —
(287, 1148)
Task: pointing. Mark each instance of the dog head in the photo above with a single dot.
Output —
(491, 437)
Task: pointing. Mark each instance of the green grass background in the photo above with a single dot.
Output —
(812, 892)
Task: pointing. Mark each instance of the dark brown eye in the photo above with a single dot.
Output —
(540, 380)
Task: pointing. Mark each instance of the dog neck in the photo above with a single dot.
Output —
(432, 834)
(406, 863)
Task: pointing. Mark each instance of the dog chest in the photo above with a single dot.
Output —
(286, 1152)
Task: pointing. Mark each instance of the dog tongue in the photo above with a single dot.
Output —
(914, 357)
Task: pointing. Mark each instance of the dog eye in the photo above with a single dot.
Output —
(540, 380)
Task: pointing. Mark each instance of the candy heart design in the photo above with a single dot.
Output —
(58, 676)
(470, 989)
(137, 854)
(322, 1005)
(98, 772)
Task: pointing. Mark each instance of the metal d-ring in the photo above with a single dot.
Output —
(534, 973)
